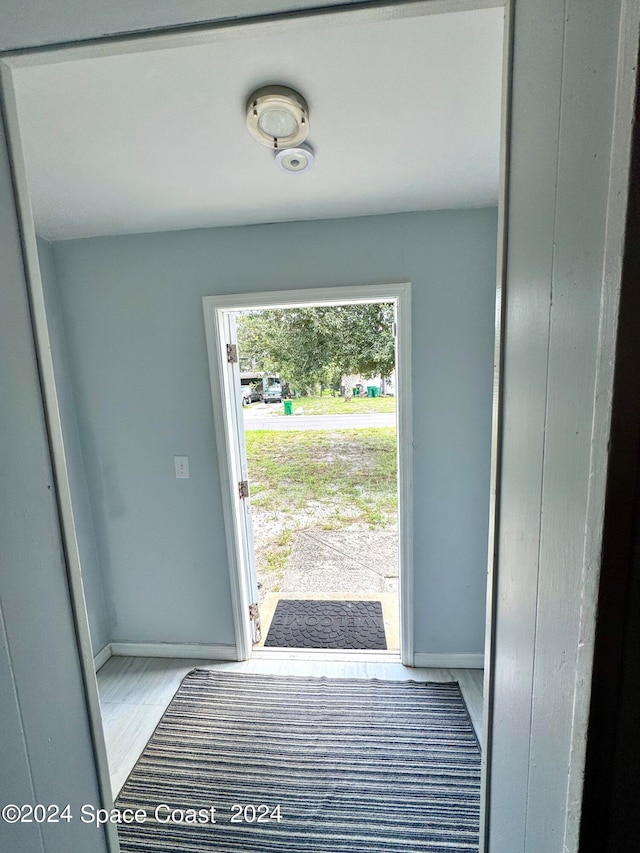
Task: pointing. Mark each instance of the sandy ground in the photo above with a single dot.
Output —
(349, 560)
(353, 560)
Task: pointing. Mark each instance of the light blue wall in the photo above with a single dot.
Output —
(135, 335)
(99, 623)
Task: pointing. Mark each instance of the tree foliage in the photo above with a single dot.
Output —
(308, 347)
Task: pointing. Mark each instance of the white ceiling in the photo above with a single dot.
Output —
(404, 115)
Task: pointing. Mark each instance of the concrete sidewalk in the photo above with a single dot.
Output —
(297, 422)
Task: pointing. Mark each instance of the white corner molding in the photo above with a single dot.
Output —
(201, 651)
(102, 657)
(451, 660)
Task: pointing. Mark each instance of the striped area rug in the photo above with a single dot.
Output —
(296, 764)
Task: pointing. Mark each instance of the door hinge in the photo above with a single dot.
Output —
(243, 489)
(232, 353)
(254, 616)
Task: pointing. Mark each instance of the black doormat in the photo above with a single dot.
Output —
(327, 625)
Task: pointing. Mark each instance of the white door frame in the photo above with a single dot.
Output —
(215, 308)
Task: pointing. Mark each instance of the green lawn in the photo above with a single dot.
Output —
(339, 406)
(353, 471)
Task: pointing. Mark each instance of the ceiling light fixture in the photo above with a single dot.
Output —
(295, 160)
(278, 117)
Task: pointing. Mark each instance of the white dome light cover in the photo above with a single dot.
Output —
(293, 161)
(273, 110)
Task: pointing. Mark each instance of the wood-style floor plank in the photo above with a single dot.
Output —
(135, 691)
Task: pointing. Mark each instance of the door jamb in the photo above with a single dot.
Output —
(57, 449)
(214, 308)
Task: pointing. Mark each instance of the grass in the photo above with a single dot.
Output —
(327, 478)
(277, 555)
(353, 471)
(339, 406)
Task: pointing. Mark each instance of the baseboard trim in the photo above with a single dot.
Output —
(201, 651)
(454, 660)
(102, 657)
(344, 655)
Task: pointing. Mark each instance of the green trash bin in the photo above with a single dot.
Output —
(288, 407)
(356, 391)
(372, 391)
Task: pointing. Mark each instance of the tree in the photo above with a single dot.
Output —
(316, 346)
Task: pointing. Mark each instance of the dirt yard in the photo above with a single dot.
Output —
(311, 483)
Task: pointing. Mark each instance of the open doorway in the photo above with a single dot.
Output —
(221, 315)
(323, 474)
(543, 130)
(320, 502)
(169, 596)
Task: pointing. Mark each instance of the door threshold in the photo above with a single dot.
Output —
(346, 655)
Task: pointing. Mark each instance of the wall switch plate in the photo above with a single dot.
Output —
(182, 467)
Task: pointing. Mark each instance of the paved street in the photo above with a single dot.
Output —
(257, 420)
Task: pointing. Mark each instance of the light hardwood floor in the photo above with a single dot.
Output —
(135, 691)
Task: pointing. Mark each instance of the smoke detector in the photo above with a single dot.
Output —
(278, 117)
(295, 160)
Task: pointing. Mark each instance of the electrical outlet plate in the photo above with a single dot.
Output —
(182, 467)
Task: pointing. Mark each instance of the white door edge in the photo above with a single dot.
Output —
(223, 426)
